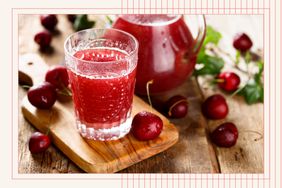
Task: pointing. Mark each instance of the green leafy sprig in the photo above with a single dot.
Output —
(81, 22)
(253, 90)
(211, 63)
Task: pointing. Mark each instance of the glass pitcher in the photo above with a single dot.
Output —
(168, 47)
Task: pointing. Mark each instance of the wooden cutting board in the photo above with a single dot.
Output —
(91, 156)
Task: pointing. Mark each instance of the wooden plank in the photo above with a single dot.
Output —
(247, 155)
(90, 155)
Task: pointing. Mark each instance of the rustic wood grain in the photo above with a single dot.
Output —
(51, 161)
(192, 154)
(247, 155)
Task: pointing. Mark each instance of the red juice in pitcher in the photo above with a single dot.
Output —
(165, 54)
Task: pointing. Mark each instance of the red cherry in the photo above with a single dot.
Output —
(146, 126)
(231, 81)
(242, 42)
(215, 107)
(49, 21)
(71, 17)
(58, 77)
(225, 135)
(177, 106)
(38, 142)
(42, 96)
(43, 38)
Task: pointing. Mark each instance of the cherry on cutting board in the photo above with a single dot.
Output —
(228, 81)
(49, 21)
(58, 77)
(146, 126)
(43, 39)
(176, 107)
(42, 96)
(242, 42)
(225, 135)
(38, 142)
(215, 107)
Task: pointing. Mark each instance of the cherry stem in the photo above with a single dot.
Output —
(176, 103)
(148, 91)
(199, 87)
(65, 91)
(48, 131)
(218, 80)
(237, 91)
(240, 89)
(256, 132)
(26, 86)
(219, 50)
(109, 20)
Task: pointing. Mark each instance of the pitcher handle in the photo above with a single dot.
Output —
(201, 34)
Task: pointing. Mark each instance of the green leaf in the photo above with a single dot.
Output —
(211, 65)
(258, 76)
(252, 92)
(212, 36)
(81, 22)
(260, 66)
(201, 55)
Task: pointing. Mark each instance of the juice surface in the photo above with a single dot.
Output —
(102, 99)
(165, 50)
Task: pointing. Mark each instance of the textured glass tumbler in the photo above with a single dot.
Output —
(101, 66)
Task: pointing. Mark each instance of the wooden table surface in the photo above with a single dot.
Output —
(193, 153)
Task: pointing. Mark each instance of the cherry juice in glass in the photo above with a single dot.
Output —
(102, 67)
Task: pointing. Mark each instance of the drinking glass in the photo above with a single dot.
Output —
(101, 66)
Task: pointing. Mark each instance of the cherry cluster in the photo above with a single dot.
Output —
(215, 107)
(44, 96)
(44, 38)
